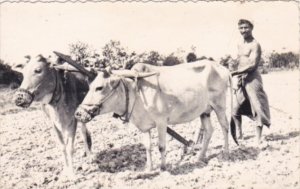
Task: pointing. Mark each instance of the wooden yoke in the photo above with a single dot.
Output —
(68, 59)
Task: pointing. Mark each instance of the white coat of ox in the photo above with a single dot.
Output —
(162, 96)
(59, 94)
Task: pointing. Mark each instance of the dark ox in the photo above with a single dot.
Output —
(59, 94)
(162, 96)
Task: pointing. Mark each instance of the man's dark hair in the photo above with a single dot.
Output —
(244, 21)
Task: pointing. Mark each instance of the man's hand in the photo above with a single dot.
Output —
(234, 73)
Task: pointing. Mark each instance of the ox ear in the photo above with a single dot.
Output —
(28, 58)
(19, 66)
(55, 60)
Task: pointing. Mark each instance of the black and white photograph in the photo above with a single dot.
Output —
(149, 94)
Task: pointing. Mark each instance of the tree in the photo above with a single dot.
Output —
(281, 60)
(153, 58)
(171, 60)
(3, 66)
(115, 55)
(80, 51)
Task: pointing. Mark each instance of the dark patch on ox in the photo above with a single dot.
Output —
(73, 85)
(198, 69)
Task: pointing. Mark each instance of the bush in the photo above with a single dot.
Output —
(171, 60)
(284, 60)
(191, 57)
(9, 76)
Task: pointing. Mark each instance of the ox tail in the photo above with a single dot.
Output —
(232, 124)
(233, 131)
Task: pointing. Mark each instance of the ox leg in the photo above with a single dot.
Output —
(221, 115)
(147, 143)
(162, 132)
(200, 135)
(62, 143)
(208, 130)
(86, 138)
(69, 145)
(60, 138)
(236, 117)
(66, 139)
(199, 138)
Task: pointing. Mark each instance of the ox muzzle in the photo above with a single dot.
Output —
(23, 98)
(86, 113)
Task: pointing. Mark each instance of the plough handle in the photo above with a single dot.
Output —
(178, 137)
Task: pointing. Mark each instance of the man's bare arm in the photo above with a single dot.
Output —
(252, 61)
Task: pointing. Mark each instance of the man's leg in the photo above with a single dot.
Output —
(236, 117)
(238, 122)
(259, 133)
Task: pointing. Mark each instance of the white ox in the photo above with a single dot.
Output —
(59, 93)
(161, 96)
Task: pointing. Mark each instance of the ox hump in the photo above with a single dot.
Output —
(142, 67)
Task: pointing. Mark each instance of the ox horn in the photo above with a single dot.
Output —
(131, 73)
(66, 67)
(74, 64)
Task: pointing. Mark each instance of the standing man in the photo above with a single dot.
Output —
(250, 98)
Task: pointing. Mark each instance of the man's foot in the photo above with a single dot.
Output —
(241, 137)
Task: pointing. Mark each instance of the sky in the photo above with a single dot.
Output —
(41, 28)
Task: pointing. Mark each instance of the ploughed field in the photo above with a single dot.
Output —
(31, 158)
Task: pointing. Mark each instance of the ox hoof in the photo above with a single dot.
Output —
(148, 169)
(67, 175)
(163, 168)
(225, 155)
(203, 160)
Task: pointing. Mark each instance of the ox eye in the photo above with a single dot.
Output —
(38, 70)
(99, 88)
